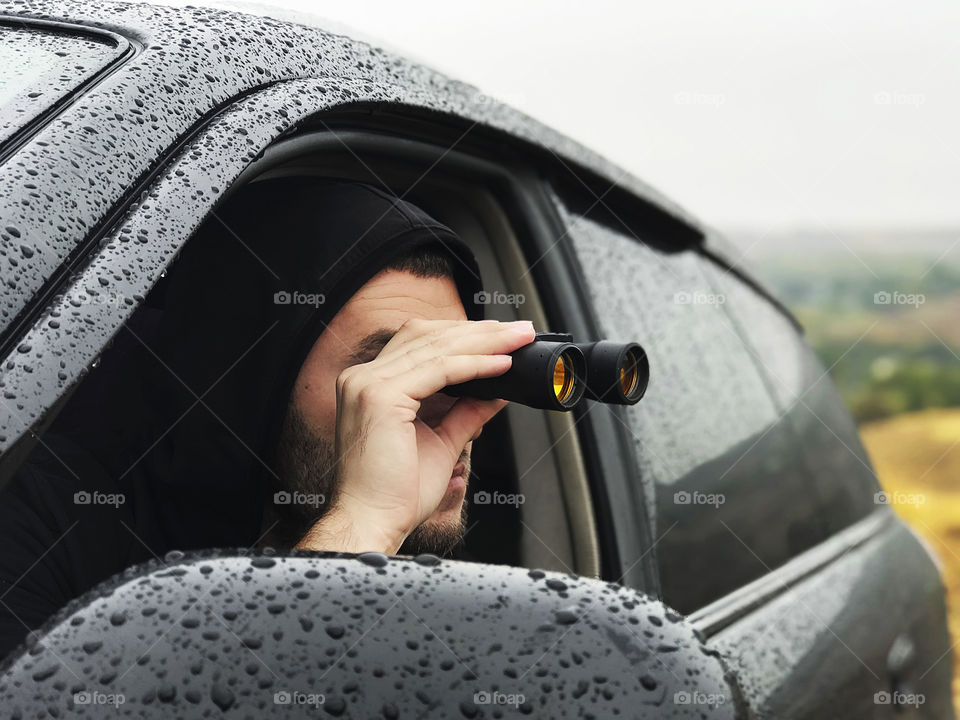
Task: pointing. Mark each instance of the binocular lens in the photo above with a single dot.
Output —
(548, 373)
(616, 372)
(629, 373)
(563, 378)
(554, 374)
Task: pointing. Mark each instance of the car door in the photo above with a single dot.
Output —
(765, 529)
(212, 634)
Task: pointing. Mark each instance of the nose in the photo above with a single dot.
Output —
(434, 408)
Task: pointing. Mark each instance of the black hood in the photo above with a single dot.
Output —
(208, 379)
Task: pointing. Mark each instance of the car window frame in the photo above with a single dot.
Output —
(123, 222)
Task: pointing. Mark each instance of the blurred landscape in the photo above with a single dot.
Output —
(882, 310)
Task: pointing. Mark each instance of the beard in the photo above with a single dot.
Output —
(307, 467)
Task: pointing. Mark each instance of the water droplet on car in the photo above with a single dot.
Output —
(222, 696)
(374, 559)
(335, 631)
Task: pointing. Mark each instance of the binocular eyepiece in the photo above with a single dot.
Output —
(553, 373)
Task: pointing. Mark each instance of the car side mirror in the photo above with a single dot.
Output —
(217, 633)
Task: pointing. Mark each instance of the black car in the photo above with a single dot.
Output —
(721, 549)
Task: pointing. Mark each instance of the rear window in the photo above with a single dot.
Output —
(40, 68)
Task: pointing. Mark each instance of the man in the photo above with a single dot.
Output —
(281, 388)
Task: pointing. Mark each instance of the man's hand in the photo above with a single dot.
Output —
(394, 468)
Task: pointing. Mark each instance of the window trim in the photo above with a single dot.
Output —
(728, 609)
(520, 192)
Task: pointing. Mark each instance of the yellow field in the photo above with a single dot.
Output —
(920, 453)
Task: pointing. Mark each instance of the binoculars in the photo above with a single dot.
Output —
(554, 373)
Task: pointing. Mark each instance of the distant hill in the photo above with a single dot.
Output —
(882, 308)
(926, 243)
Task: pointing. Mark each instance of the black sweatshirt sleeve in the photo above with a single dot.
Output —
(62, 531)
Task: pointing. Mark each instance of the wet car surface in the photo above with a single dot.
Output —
(793, 596)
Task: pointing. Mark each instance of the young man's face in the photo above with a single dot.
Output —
(357, 333)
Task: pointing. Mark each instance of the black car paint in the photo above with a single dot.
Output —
(92, 55)
(798, 486)
(136, 161)
(367, 636)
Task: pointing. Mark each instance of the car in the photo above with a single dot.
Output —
(721, 549)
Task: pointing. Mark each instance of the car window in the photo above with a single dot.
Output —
(827, 446)
(731, 501)
(40, 68)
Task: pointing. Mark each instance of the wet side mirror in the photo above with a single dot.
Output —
(304, 635)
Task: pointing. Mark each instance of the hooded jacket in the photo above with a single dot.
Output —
(169, 443)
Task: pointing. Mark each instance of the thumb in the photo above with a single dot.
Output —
(464, 421)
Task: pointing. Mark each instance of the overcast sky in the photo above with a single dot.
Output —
(824, 115)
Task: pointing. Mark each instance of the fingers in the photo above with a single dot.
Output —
(419, 353)
(433, 375)
(468, 339)
(409, 388)
(415, 332)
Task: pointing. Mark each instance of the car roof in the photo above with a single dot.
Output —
(189, 62)
(66, 188)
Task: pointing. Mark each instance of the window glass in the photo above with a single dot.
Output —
(732, 502)
(828, 446)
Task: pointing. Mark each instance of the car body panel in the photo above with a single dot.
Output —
(370, 636)
(847, 638)
(46, 66)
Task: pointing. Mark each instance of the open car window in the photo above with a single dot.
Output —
(530, 500)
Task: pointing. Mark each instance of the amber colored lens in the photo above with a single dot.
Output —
(629, 373)
(562, 379)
